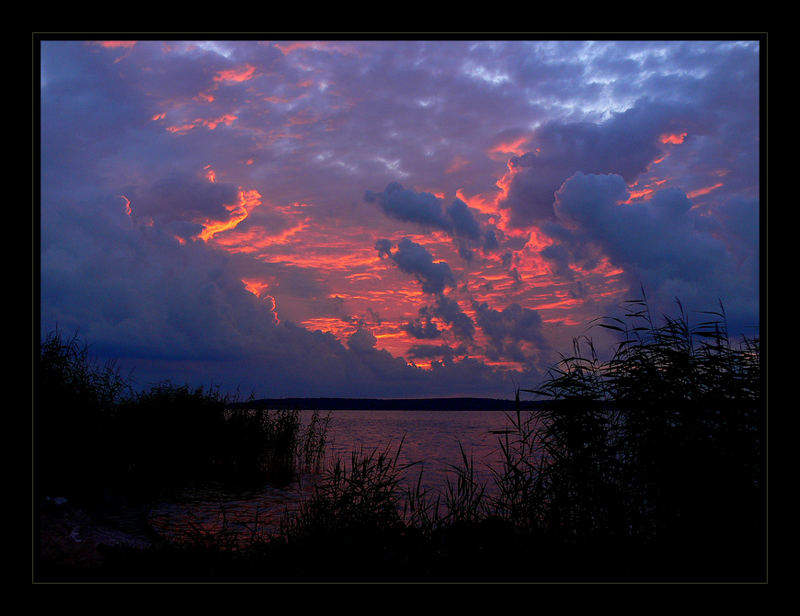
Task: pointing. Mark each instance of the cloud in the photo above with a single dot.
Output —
(314, 125)
(169, 310)
(361, 340)
(409, 206)
(185, 198)
(450, 312)
(430, 351)
(422, 327)
(458, 220)
(435, 278)
(462, 220)
(624, 145)
(514, 333)
(413, 258)
(662, 243)
(658, 234)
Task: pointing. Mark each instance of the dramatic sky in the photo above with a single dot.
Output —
(389, 218)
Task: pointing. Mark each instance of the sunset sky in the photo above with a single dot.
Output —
(389, 218)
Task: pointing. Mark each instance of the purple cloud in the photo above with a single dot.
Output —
(415, 259)
(661, 243)
(625, 145)
(534, 143)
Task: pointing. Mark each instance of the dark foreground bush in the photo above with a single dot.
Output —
(74, 404)
(95, 435)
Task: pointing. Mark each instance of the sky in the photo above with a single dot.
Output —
(389, 218)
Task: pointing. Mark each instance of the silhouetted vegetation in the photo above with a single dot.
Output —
(671, 450)
(648, 466)
(657, 452)
(95, 435)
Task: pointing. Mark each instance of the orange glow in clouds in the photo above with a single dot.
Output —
(212, 123)
(643, 192)
(675, 139)
(248, 199)
(116, 44)
(226, 119)
(478, 202)
(256, 287)
(703, 191)
(255, 240)
(514, 146)
(236, 74)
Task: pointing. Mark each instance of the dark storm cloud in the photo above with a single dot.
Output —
(623, 145)
(362, 340)
(509, 329)
(463, 221)
(414, 259)
(558, 256)
(426, 209)
(409, 206)
(458, 219)
(422, 327)
(136, 292)
(658, 235)
(661, 243)
(450, 312)
(183, 198)
(435, 278)
(431, 351)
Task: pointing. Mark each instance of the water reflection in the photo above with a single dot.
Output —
(431, 438)
(431, 441)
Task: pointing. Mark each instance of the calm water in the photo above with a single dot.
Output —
(431, 438)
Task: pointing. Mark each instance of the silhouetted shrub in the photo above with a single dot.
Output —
(95, 435)
(74, 403)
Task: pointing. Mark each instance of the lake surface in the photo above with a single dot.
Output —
(431, 439)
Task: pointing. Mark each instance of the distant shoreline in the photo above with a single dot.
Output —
(389, 404)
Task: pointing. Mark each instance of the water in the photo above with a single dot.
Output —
(432, 440)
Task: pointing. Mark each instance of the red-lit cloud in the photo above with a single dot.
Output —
(236, 75)
(118, 44)
(424, 216)
(674, 139)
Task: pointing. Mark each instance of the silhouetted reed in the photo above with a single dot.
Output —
(465, 499)
(363, 496)
(660, 447)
